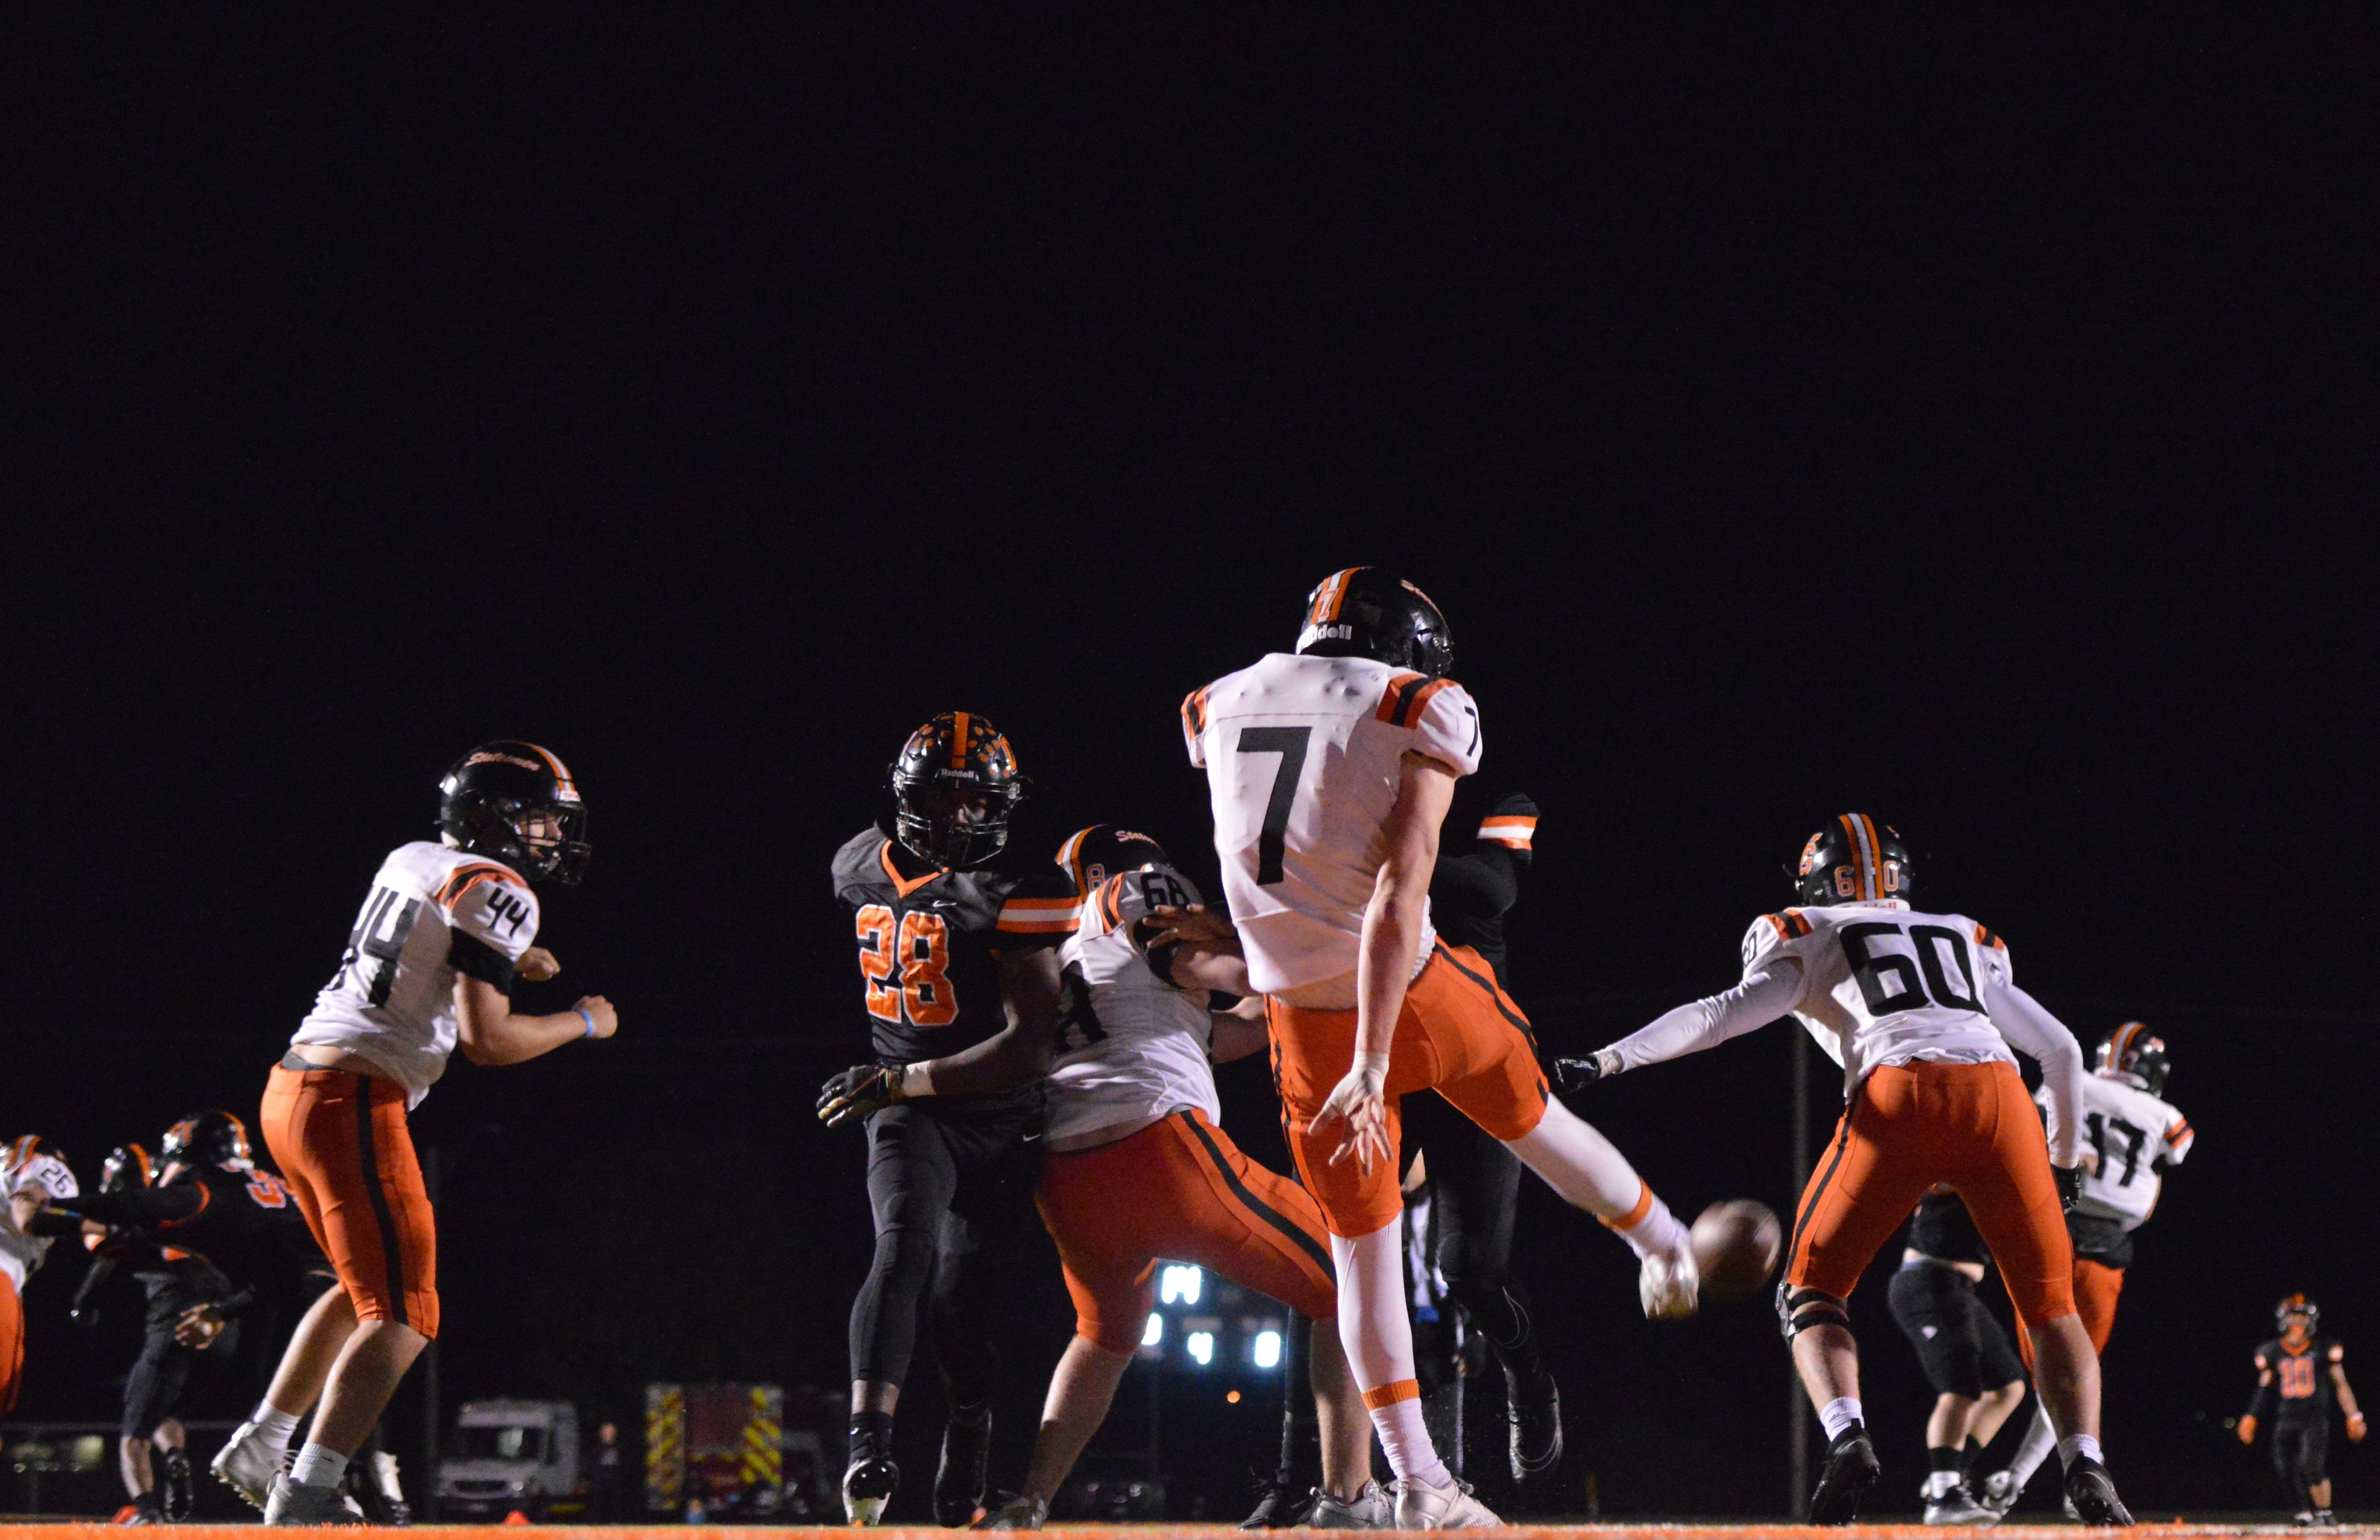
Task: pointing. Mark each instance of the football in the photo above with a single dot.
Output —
(1735, 1245)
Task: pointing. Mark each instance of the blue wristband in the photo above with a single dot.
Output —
(589, 1020)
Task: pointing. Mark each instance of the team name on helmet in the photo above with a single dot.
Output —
(493, 801)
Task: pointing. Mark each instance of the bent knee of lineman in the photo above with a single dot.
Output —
(1798, 1310)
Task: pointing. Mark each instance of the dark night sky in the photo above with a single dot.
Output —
(1967, 422)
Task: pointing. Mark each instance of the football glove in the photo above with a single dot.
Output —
(857, 1091)
(1576, 1075)
(2070, 1186)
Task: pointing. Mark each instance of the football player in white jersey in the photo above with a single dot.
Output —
(1331, 770)
(2134, 1134)
(32, 1174)
(1139, 1170)
(428, 967)
(1921, 1010)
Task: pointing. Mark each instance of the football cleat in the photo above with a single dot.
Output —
(1534, 1409)
(2092, 1493)
(1372, 1509)
(1449, 1507)
(1016, 1513)
(289, 1503)
(868, 1486)
(1956, 1507)
(247, 1463)
(1853, 860)
(1668, 1283)
(2000, 1493)
(142, 1509)
(175, 1495)
(966, 1469)
(1282, 1507)
(1851, 1471)
(1370, 613)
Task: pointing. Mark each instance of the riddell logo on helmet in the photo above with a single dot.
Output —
(1333, 633)
(487, 756)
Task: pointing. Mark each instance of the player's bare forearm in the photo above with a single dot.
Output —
(1020, 1052)
(492, 1036)
(1235, 1039)
(2345, 1396)
(1211, 967)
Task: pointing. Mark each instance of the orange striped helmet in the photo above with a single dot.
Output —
(2135, 1056)
(2298, 1304)
(1853, 860)
(487, 800)
(1371, 612)
(956, 784)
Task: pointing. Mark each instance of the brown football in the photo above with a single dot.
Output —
(1735, 1245)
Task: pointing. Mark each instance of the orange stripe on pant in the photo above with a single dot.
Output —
(2097, 1288)
(1910, 1126)
(12, 1345)
(1459, 1033)
(1178, 1189)
(340, 1142)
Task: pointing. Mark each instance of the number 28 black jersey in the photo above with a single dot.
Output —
(928, 982)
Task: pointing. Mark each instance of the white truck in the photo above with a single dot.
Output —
(507, 1455)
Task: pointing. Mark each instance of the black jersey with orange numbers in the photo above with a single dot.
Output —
(245, 1221)
(2302, 1380)
(929, 984)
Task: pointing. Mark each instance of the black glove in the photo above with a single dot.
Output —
(857, 1091)
(2070, 1186)
(1576, 1075)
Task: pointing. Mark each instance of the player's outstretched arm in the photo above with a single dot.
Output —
(1019, 1053)
(491, 1035)
(2033, 1032)
(1765, 994)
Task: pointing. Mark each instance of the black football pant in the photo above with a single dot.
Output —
(2301, 1459)
(1474, 1190)
(951, 1188)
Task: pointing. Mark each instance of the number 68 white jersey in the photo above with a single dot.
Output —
(2130, 1132)
(1304, 756)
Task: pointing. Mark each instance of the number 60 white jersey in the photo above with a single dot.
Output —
(1304, 756)
(2131, 1131)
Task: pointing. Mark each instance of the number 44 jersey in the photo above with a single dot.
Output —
(2135, 1134)
(1304, 756)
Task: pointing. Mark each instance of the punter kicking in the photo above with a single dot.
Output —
(1920, 1011)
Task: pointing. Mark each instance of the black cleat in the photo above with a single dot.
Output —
(1534, 1409)
(867, 1487)
(965, 1470)
(177, 1492)
(2092, 1493)
(1282, 1506)
(1851, 1473)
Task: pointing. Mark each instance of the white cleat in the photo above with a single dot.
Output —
(289, 1503)
(1372, 1509)
(1999, 1493)
(248, 1464)
(1669, 1284)
(1452, 1506)
(1016, 1513)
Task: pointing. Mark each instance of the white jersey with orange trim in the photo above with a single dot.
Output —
(432, 912)
(1304, 756)
(49, 1178)
(1878, 983)
(2135, 1134)
(1133, 1045)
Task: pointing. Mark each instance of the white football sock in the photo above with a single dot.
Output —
(2078, 1446)
(2039, 1439)
(1838, 1415)
(1379, 1338)
(278, 1426)
(318, 1465)
(1584, 1168)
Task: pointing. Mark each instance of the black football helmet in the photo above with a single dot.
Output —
(955, 787)
(1092, 855)
(2298, 1304)
(1852, 860)
(1371, 612)
(487, 800)
(126, 1168)
(211, 1138)
(2132, 1055)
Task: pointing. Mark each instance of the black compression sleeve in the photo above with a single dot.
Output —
(145, 1205)
(1479, 885)
(54, 1222)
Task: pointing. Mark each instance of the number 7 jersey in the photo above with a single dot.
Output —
(1304, 756)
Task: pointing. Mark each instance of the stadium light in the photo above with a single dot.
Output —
(1202, 1347)
(1178, 1285)
(1154, 1332)
(1266, 1353)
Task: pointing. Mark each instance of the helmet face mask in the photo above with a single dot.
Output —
(125, 1168)
(955, 785)
(1370, 613)
(2135, 1058)
(1853, 860)
(211, 1138)
(517, 803)
(2296, 1309)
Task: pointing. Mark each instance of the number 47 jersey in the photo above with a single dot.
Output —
(1304, 756)
(2133, 1133)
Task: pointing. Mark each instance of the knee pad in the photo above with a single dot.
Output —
(1800, 1309)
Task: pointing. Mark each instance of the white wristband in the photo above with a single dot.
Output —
(917, 1080)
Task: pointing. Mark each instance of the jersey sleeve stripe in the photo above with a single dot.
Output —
(1512, 830)
(1038, 916)
(1193, 712)
(2179, 1132)
(1986, 937)
(1406, 698)
(467, 878)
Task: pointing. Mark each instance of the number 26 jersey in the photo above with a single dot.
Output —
(1304, 756)
(432, 913)
(929, 980)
